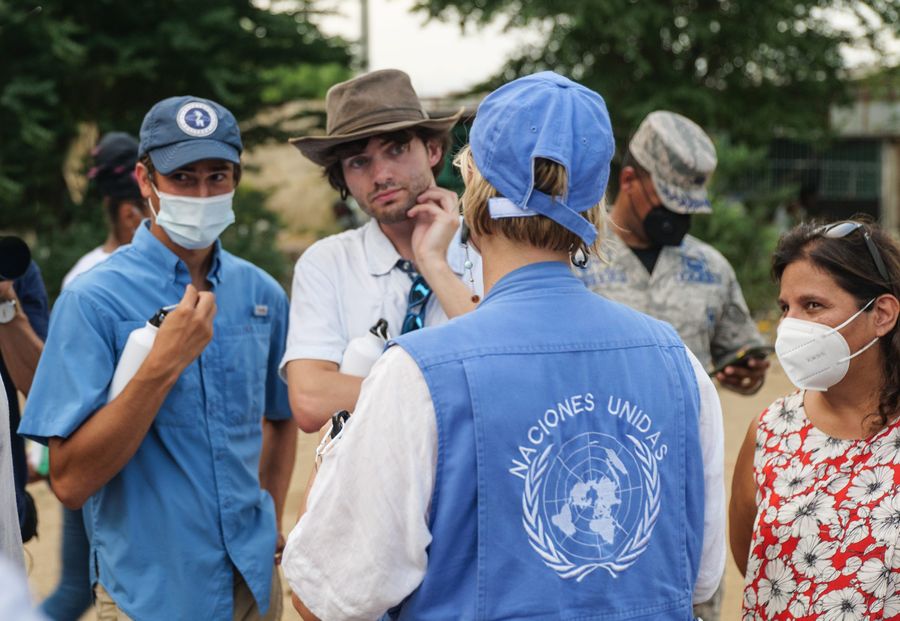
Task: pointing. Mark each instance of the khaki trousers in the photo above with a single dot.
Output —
(245, 608)
(712, 609)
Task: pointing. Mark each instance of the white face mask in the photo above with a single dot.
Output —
(193, 222)
(815, 356)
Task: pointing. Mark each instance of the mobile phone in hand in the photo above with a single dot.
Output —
(744, 355)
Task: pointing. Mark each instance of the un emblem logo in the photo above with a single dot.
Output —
(197, 119)
(592, 504)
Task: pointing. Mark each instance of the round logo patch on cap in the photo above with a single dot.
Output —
(197, 119)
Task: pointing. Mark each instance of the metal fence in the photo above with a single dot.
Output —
(846, 171)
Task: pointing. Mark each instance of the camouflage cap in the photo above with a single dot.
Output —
(680, 158)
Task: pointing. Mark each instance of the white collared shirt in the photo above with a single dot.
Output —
(345, 283)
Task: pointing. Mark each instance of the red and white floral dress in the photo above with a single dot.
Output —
(825, 538)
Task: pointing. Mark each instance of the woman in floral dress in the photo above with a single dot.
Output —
(815, 506)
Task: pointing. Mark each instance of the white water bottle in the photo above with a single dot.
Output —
(136, 349)
(363, 351)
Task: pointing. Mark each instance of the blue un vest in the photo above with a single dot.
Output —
(569, 481)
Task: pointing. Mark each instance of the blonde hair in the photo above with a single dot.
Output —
(538, 231)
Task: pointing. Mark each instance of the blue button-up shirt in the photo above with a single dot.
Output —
(170, 529)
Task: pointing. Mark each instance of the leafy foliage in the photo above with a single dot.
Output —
(883, 84)
(106, 62)
(746, 236)
(253, 234)
(57, 250)
(740, 66)
(741, 224)
(103, 63)
(305, 81)
(746, 71)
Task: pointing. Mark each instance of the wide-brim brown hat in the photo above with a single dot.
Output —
(375, 103)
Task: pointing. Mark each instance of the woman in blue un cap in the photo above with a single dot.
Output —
(544, 457)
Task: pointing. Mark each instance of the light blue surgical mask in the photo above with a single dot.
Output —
(193, 222)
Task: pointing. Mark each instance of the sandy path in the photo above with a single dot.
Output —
(43, 554)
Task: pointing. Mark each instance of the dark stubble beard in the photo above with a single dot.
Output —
(395, 214)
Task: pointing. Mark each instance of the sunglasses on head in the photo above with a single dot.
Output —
(839, 230)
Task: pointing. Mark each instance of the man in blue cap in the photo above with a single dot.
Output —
(176, 473)
(550, 455)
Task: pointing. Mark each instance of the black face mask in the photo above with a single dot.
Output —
(666, 228)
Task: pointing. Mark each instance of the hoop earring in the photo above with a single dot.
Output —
(579, 258)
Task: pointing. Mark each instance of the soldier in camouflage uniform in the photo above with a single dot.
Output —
(652, 265)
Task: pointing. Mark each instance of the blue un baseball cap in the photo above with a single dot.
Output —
(181, 130)
(549, 116)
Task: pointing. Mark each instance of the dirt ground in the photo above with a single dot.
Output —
(43, 554)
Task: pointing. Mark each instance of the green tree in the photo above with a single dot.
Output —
(106, 62)
(747, 238)
(745, 70)
(745, 67)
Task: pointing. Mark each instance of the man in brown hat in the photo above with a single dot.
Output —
(406, 265)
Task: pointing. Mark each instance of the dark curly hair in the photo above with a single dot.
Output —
(851, 264)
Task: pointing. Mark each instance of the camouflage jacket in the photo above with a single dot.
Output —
(693, 287)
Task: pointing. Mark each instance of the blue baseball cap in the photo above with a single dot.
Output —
(113, 170)
(549, 116)
(181, 130)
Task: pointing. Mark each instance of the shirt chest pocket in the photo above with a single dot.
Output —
(244, 353)
(183, 406)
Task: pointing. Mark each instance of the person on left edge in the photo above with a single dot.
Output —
(176, 474)
(15, 600)
(24, 314)
(549, 455)
(10, 533)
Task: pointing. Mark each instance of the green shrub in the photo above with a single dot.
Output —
(747, 238)
(253, 236)
(741, 225)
